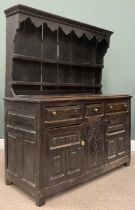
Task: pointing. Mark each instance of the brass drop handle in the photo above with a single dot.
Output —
(82, 143)
(54, 113)
(111, 107)
(95, 110)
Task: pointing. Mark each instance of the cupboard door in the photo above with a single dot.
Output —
(65, 158)
(94, 145)
(117, 137)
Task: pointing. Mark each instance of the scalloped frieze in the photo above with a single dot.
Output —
(65, 28)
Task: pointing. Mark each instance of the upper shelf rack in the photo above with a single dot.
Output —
(52, 54)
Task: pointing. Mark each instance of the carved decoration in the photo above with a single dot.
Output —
(61, 140)
(95, 140)
(66, 28)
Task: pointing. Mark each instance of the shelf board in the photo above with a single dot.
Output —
(36, 59)
(55, 84)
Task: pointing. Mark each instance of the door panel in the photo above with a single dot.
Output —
(117, 137)
(65, 153)
(111, 146)
(122, 145)
(94, 145)
(74, 161)
(57, 165)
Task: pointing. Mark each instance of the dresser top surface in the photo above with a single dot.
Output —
(71, 97)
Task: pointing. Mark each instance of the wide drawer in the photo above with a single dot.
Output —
(116, 107)
(94, 109)
(66, 113)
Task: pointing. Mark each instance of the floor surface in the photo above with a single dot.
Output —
(112, 191)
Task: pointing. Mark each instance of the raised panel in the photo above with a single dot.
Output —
(22, 108)
(74, 161)
(57, 165)
(95, 145)
(29, 161)
(20, 157)
(21, 121)
(21, 154)
(122, 147)
(111, 149)
(12, 152)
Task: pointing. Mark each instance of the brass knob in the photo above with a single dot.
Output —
(54, 113)
(111, 107)
(125, 105)
(83, 143)
(95, 110)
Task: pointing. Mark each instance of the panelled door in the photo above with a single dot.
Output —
(94, 136)
(117, 136)
(65, 158)
(94, 145)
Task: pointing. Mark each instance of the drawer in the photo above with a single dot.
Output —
(66, 113)
(94, 109)
(116, 107)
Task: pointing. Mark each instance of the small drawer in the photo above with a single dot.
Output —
(63, 113)
(117, 107)
(94, 109)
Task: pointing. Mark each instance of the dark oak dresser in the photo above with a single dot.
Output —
(60, 130)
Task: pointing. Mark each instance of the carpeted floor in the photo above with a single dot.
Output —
(112, 191)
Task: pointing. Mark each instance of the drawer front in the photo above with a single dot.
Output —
(116, 107)
(58, 114)
(94, 109)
